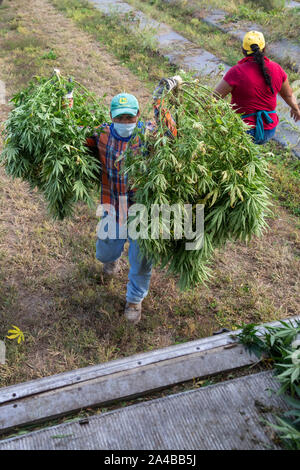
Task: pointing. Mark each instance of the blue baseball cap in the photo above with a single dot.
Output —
(123, 103)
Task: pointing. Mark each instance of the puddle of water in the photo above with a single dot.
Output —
(205, 63)
(286, 137)
(215, 17)
(285, 49)
(291, 4)
(110, 6)
(168, 39)
(288, 131)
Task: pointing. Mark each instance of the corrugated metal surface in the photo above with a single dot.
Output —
(49, 397)
(223, 416)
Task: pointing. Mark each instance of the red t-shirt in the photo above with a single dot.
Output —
(250, 93)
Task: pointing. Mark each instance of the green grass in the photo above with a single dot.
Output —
(51, 55)
(265, 8)
(186, 18)
(28, 52)
(285, 171)
(280, 24)
(137, 50)
(277, 346)
(183, 20)
(21, 43)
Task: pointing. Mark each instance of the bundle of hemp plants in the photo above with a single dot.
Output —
(45, 141)
(212, 161)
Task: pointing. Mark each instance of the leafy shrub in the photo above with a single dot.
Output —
(214, 162)
(282, 345)
(45, 143)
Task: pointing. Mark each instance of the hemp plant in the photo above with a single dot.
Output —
(45, 141)
(212, 161)
(281, 345)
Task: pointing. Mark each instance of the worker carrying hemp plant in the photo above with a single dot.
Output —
(210, 164)
(108, 144)
(254, 83)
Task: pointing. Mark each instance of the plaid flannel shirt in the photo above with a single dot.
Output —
(108, 146)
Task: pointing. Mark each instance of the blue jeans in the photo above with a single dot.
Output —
(269, 133)
(140, 268)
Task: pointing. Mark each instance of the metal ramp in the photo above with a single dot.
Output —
(228, 415)
(222, 416)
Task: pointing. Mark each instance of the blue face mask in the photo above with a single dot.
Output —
(124, 129)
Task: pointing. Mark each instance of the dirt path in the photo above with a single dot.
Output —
(26, 231)
(50, 282)
(78, 52)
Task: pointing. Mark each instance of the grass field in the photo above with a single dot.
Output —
(51, 285)
(186, 18)
(281, 23)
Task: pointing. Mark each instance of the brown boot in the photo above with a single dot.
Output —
(133, 312)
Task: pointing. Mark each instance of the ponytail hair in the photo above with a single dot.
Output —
(259, 59)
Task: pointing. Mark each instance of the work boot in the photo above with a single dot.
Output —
(133, 312)
(112, 268)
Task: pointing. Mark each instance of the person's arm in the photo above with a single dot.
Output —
(165, 84)
(91, 141)
(91, 144)
(286, 93)
(222, 89)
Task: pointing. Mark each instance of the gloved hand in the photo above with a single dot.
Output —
(172, 82)
(178, 79)
(167, 83)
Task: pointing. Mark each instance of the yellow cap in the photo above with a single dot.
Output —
(253, 37)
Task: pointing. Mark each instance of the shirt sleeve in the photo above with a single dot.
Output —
(91, 144)
(92, 141)
(232, 76)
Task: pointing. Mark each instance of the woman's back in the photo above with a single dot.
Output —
(254, 83)
(250, 93)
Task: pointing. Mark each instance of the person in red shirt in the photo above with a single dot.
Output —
(254, 83)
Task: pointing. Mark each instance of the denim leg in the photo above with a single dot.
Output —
(109, 250)
(139, 274)
(269, 133)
